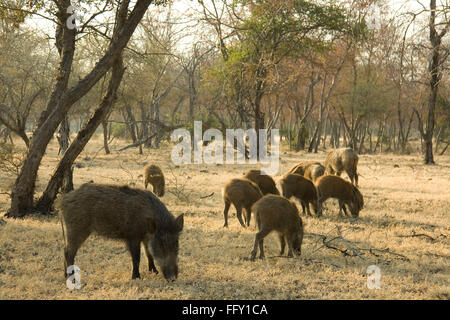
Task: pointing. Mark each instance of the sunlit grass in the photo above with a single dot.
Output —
(399, 201)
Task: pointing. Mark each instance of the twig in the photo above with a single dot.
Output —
(348, 244)
(138, 143)
(386, 250)
(103, 147)
(210, 195)
(417, 235)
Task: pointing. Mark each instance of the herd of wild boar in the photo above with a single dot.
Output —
(138, 216)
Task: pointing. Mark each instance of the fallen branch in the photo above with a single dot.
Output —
(417, 235)
(210, 195)
(386, 250)
(348, 244)
(138, 143)
(103, 147)
(351, 250)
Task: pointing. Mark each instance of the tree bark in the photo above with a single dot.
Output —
(105, 136)
(64, 166)
(435, 69)
(61, 100)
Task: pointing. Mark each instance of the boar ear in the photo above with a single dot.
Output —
(180, 222)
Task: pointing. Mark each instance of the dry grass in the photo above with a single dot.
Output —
(411, 199)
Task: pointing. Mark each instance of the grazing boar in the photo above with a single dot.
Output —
(335, 187)
(343, 159)
(242, 193)
(301, 167)
(264, 182)
(119, 212)
(313, 171)
(275, 213)
(154, 175)
(294, 185)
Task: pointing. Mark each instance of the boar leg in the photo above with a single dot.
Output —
(320, 207)
(259, 240)
(225, 212)
(282, 243)
(303, 206)
(290, 241)
(151, 263)
(73, 244)
(248, 216)
(342, 207)
(134, 246)
(239, 215)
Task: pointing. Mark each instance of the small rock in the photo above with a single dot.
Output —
(396, 166)
(87, 159)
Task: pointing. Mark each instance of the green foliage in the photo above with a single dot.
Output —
(272, 32)
(14, 12)
(119, 130)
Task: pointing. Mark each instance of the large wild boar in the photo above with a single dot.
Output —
(242, 193)
(343, 159)
(119, 212)
(264, 181)
(330, 186)
(301, 167)
(276, 213)
(294, 185)
(154, 175)
(313, 171)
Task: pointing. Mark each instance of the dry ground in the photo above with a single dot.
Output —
(401, 203)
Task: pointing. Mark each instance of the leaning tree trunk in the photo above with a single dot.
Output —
(46, 201)
(62, 100)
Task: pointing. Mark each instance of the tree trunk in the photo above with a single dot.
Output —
(63, 139)
(435, 69)
(46, 201)
(61, 99)
(105, 136)
(130, 123)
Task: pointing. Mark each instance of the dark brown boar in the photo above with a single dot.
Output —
(276, 213)
(119, 212)
(242, 193)
(154, 175)
(265, 182)
(294, 185)
(331, 186)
